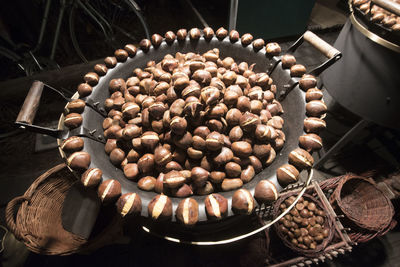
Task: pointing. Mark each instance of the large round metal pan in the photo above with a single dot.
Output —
(293, 105)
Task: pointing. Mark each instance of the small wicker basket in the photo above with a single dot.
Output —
(38, 221)
(327, 224)
(368, 212)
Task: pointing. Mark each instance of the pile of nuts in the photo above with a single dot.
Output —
(304, 226)
(193, 124)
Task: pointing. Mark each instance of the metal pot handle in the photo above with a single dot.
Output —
(29, 108)
(326, 49)
(388, 5)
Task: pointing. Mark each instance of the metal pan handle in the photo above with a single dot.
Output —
(323, 47)
(31, 103)
(29, 108)
(388, 5)
(326, 49)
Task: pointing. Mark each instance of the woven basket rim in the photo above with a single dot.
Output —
(328, 222)
(32, 241)
(348, 211)
(20, 228)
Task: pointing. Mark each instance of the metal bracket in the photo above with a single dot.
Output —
(84, 132)
(39, 129)
(287, 89)
(26, 123)
(295, 45)
(57, 91)
(318, 70)
(90, 102)
(275, 62)
(62, 134)
(95, 106)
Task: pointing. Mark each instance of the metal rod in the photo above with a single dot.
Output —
(57, 33)
(233, 14)
(199, 16)
(342, 142)
(34, 59)
(72, 33)
(43, 25)
(89, 9)
(59, 92)
(92, 12)
(138, 13)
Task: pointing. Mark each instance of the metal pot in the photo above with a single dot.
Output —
(367, 80)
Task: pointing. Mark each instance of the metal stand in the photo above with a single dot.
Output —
(233, 14)
(362, 124)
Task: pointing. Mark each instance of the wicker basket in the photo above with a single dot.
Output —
(38, 221)
(368, 212)
(327, 224)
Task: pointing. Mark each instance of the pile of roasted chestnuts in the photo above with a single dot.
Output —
(305, 225)
(193, 124)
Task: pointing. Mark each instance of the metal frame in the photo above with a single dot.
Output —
(331, 251)
(318, 70)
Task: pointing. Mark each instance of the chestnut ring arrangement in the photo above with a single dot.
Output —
(109, 191)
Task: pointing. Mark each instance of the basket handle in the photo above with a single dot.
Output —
(10, 215)
(28, 194)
